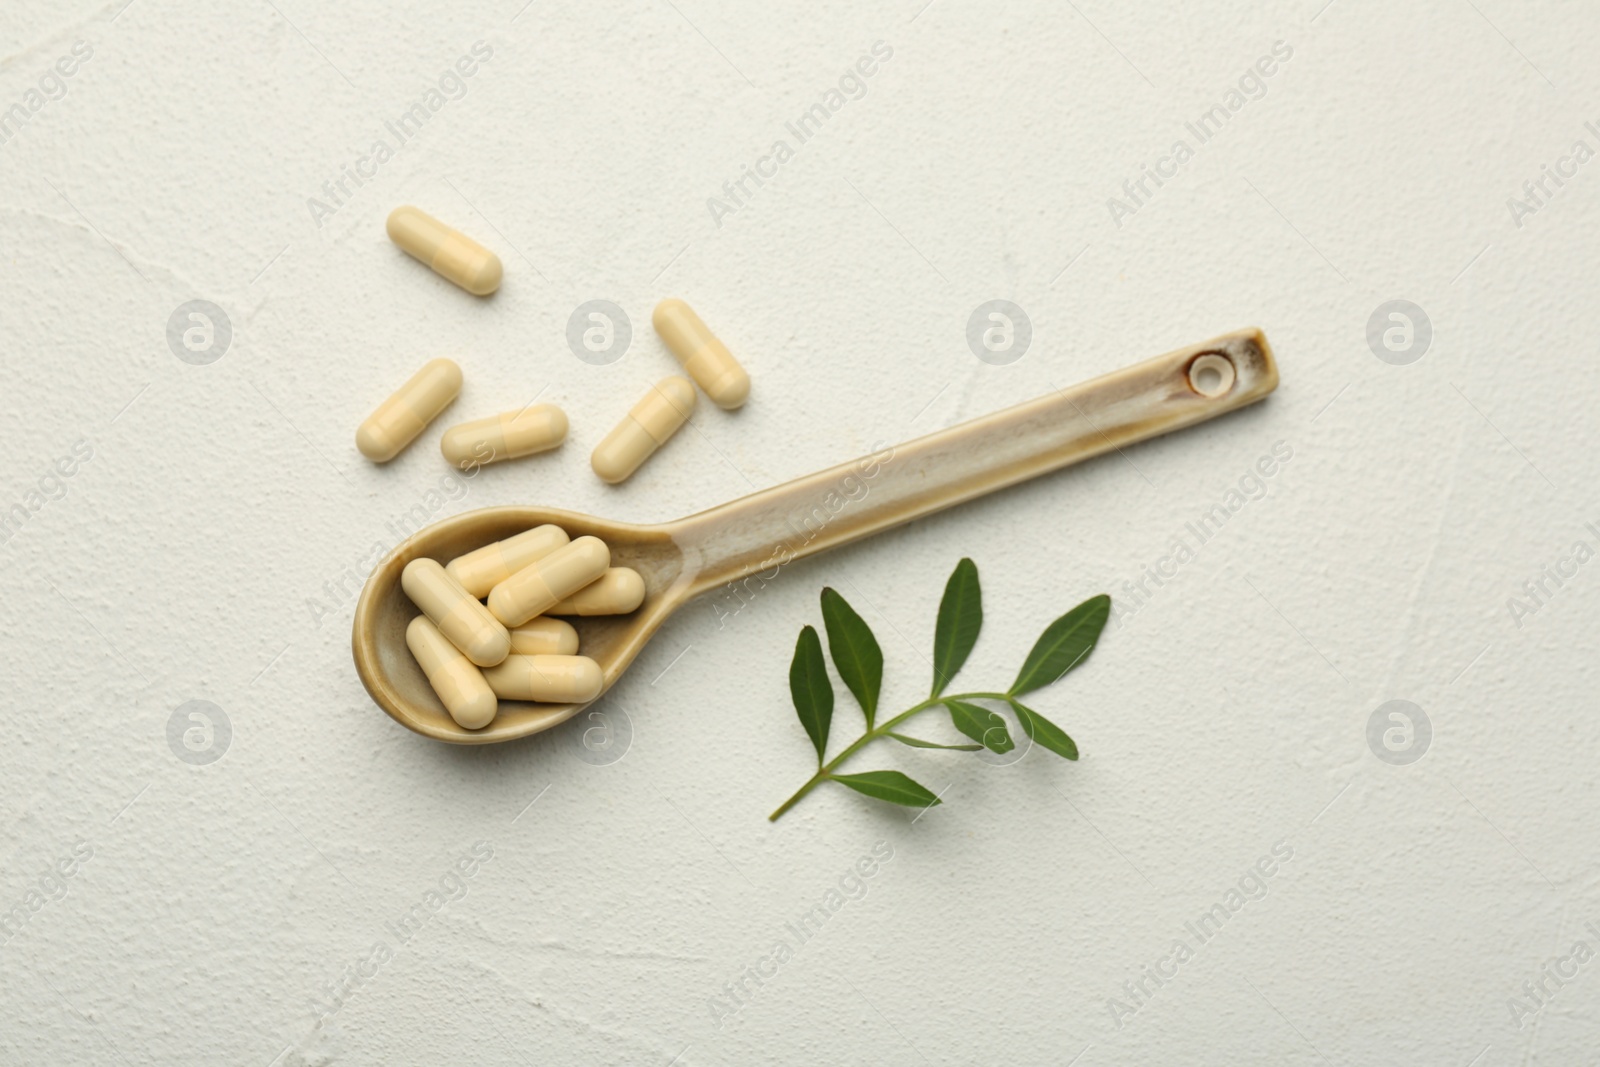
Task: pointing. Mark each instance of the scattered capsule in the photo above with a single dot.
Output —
(462, 688)
(542, 584)
(482, 569)
(707, 359)
(616, 592)
(466, 623)
(453, 255)
(508, 436)
(547, 679)
(651, 423)
(400, 418)
(544, 637)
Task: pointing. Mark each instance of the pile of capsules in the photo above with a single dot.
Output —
(539, 428)
(477, 654)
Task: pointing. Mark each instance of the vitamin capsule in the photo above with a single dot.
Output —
(453, 255)
(547, 679)
(509, 436)
(707, 359)
(544, 637)
(539, 585)
(651, 423)
(616, 592)
(400, 418)
(482, 569)
(464, 622)
(461, 687)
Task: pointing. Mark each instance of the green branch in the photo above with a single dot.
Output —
(1065, 644)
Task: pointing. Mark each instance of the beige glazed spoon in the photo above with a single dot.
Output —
(754, 535)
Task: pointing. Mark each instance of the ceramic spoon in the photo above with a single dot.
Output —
(680, 560)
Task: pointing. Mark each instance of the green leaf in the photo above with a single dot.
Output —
(1064, 644)
(982, 725)
(811, 689)
(917, 742)
(960, 619)
(855, 651)
(892, 786)
(1042, 731)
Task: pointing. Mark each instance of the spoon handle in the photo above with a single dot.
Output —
(766, 530)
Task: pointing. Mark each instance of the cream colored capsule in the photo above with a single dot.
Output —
(461, 687)
(540, 585)
(547, 679)
(544, 637)
(616, 592)
(453, 255)
(456, 612)
(508, 436)
(707, 359)
(484, 568)
(651, 423)
(400, 418)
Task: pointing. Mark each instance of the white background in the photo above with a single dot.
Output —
(190, 558)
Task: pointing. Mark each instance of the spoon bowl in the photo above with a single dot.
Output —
(395, 681)
(751, 539)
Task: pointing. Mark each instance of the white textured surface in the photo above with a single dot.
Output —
(221, 901)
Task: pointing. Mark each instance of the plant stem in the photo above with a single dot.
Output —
(826, 770)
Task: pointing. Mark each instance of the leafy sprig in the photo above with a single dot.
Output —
(1064, 644)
